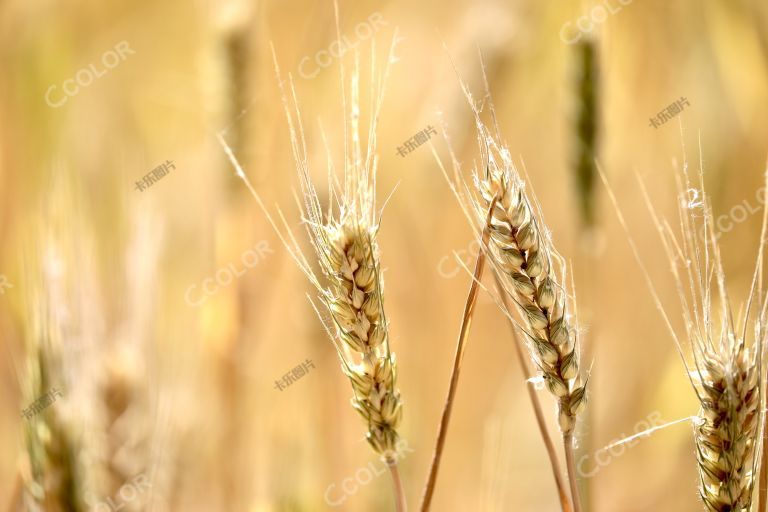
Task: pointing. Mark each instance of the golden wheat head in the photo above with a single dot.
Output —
(532, 274)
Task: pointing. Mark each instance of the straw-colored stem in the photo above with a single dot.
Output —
(400, 503)
(565, 502)
(571, 466)
(466, 321)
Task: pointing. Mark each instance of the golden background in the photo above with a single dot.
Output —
(114, 263)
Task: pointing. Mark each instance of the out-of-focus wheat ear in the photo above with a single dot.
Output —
(123, 391)
(51, 472)
(586, 129)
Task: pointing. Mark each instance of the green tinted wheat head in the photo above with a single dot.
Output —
(52, 472)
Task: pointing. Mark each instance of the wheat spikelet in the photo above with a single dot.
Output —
(726, 434)
(523, 256)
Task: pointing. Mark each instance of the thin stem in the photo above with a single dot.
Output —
(571, 465)
(400, 503)
(466, 321)
(565, 502)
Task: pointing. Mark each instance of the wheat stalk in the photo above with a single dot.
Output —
(445, 418)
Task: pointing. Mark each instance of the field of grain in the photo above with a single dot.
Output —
(181, 353)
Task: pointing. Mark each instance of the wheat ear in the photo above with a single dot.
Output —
(726, 378)
(524, 258)
(532, 274)
(726, 366)
(517, 252)
(351, 287)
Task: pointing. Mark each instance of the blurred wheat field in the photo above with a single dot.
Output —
(167, 311)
